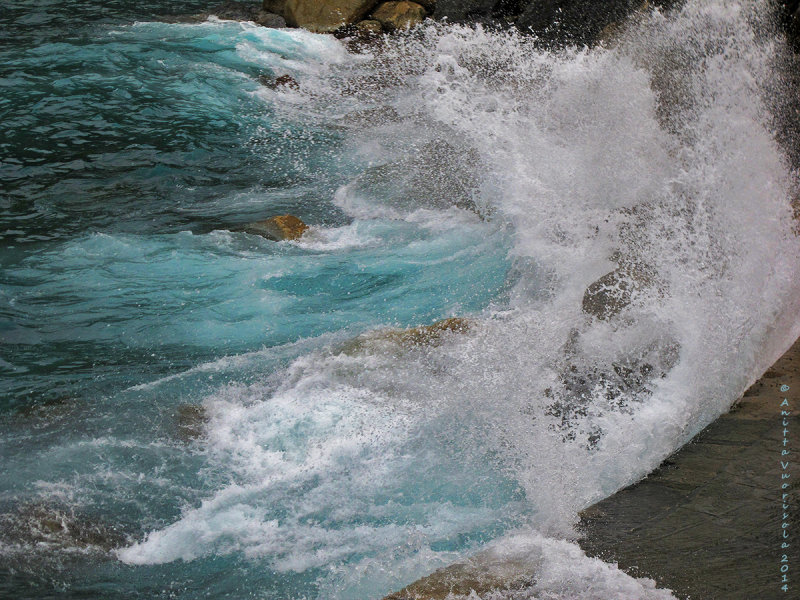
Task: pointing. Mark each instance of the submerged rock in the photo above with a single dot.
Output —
(424, 335)
(190, 421)
(399, 15)
(43, 525)
(49, 408)
(278, 229)
(323, 16)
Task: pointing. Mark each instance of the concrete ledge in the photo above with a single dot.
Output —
(707, 522)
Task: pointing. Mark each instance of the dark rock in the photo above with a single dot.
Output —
(236, 11)
(232, 11)
(268, 19)
(457, 11)
(279, 228)
(369, 28)
(399, 15)
(573, 21)
(277, 82)
(428, 5)
(287, 81)
(791, 20)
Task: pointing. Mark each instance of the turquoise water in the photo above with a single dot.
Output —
(190, 411)
(130, 150)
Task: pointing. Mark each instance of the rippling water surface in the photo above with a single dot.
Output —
(191, 411)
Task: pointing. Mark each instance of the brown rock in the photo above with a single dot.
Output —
(369, 28)
(326, 16)
(399, 15)
(481, 574)
(235, 11)
(282, 227)
(424, 335)
(191, 421)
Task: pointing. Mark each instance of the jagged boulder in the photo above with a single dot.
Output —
(324, 16)
(278, 229)
(399, 15)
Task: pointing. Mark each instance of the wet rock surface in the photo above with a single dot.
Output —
(614, 291)
(325, 16)
(422, 336)
(479, 575)
(707, 522)
(394, 16)
(190, 421)
(278, 229)
(49, 526)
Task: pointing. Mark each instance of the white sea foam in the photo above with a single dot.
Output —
(647, 154)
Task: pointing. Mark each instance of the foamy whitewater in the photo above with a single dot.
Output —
(453, 172)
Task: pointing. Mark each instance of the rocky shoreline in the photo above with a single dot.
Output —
(554, 22)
